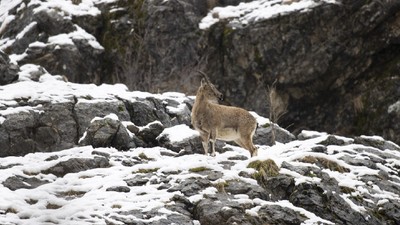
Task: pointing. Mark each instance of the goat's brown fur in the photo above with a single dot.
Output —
(214, 121)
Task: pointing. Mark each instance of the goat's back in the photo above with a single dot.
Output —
(211, 115)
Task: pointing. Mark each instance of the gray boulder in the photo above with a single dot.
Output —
(376, 142)
(180, 113)
(87, 109)
(8, 71)
(107, 132)
(76, 165)
(220, 209)
(145, 111)
(191, 186)
(18, 182)
(189, 142)
(276, 214)
(150, 132)
(18, 132)
(235, 187)
(211, 211)
(119, 189)
(268, 135)
(57, 128)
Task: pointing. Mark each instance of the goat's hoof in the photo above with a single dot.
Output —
(213, 154)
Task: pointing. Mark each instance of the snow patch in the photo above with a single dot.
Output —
(111, 116)
(394, 108)
(255, 11)
(179, 133)
(176, 110)
(26, 30)
(5, 6)
(260, 120)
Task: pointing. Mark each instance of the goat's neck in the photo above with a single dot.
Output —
(201, 99)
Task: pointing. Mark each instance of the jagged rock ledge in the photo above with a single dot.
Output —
(42, 113)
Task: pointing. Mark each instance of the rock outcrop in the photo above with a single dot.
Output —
(335, 66)
(52, 115)
(334, 62)
(8, 70)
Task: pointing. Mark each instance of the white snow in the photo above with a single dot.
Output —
(111, 116)
(257, 10)
(312, 134)
(260, 120)
(37, 44)
(67, 8)
(26, 29)
(179, 133)
(373, 138)
(5, 6)
(79, 34)
(82, 197)
(394, 108)
(60, 39)
(176, 110)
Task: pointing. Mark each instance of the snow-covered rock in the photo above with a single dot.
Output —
(89, 185)
(8, 70)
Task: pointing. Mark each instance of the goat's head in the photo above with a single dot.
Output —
(209, 91)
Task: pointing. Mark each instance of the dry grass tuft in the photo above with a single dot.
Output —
(52, 206)
(151, 170)
(198, 169)
(265, 169)
(325, 163)
(220, 186)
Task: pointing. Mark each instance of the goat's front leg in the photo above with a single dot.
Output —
(205, 138)
(213, 137)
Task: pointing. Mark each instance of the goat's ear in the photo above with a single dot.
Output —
(203, 81)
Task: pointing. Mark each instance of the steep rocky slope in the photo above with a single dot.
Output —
(87, 154)
(335, 63)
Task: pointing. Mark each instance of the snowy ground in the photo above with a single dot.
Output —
(81, 198)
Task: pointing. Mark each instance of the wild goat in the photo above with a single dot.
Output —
(214, 121)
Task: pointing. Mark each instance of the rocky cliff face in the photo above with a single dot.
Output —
(335, 63)
(335, 66)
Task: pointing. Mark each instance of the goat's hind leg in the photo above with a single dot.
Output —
(247, 143)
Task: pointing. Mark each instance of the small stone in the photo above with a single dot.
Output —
(119, 189)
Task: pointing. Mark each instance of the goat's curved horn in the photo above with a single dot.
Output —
(204, 75)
